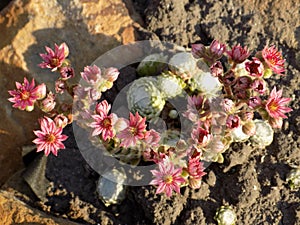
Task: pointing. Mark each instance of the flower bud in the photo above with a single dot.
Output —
(67, 73)
(249, 128)
(238, 54)
(65, 47)
(254, 102)
(255, 67)
(61, 120)
(29, 108)
(259, 86)
(198, 50)
(245, 116)
(60, 86)
(173, 114)
(228, 79)
(243, 82)
(216, 69)
(233, 121)
(227, 105)
(216, 49)
(48, 104)
(111, 74)
(41, 91)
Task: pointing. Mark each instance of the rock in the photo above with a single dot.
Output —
(14, 211)
(90, 28)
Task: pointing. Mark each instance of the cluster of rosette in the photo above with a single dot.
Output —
(216, 119)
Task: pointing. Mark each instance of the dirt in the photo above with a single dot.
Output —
(251, 180)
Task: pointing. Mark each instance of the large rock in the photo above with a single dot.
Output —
(90, 28)
(14, 211)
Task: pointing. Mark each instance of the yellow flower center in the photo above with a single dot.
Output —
(168, 179)
(54, 62)
(106, 122)
(273, 106)
(25, 95)
(51, 138)
(133, 130)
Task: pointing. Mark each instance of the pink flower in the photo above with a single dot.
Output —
(91, 74)
(259, 86)
(167, 177)
(134, 131)
(26, 95)
(233, 121)
(275, 105)
(67, 73)
(49, 138)
(238, 54)
(48, 104)
(201, 137)
(103, 123)
(54, 59)
(273, 59)
(255, 67)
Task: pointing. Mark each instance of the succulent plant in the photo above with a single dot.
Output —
(238, 135)
(293, 178)
(225, 216)
(152, 64)
(183, 64)
(205, 83)
(263, 135)
(110, 187)
(170, 85)
(145, 98)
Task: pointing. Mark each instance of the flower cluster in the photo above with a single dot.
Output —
(226, 95)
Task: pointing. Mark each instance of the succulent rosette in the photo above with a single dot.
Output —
(170, 85)
(264, 134)
(145, 98)
(183, 64)
(206, 84)
(152, 64)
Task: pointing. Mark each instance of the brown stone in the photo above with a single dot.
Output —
(90, 28)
